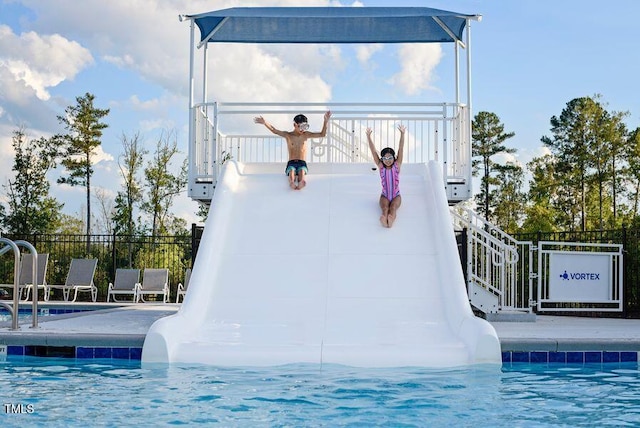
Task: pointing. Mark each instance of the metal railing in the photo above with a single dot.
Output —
(497, 262)
(435, 132)
(10, 245)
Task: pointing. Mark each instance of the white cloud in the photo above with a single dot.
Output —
(139, 104)
(39, 61)
(262, 77)
(365, 52)
(99, 155)
(150, 125)
(144, 36)
(417, 63)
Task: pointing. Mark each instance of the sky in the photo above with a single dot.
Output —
(529, 59)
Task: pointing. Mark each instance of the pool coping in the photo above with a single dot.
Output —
(567, 344)
(108, 329)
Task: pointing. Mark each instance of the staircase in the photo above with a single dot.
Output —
(498, 269)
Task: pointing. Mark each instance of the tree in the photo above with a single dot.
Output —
(540, 210)
(130, 164)
(162, 185)
(633, 169)
(84, 131)
(617, 135)
(31, 208)
(106, 211)
(586, 142)
(507, 199)
(488, 138)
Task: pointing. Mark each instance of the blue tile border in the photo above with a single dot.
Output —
(532, 357)
(43, 312)
(85, 352)
(569, 357)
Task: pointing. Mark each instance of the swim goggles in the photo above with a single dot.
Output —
(304, 126)
(387, 157)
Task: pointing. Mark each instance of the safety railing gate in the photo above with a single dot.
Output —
(504, 274)
(579, 277)
(499, 269)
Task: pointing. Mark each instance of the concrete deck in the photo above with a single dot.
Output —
(118, 326)
(128, 325)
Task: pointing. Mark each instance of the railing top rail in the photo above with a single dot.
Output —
(338, 109)
(334, 112)
(331, 104)
(617, 247)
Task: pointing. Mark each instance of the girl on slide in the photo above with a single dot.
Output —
(389, 166)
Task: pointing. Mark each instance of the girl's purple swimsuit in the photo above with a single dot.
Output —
(390, 178)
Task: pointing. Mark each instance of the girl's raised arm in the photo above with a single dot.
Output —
(372, 147)
(402, 130)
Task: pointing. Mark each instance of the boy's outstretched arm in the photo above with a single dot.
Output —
(402, 130)
(372, 147)
(261, 120)
(323, 132)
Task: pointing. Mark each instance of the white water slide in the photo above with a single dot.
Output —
(310, 276)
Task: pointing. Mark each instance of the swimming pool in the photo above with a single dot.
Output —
(64, 392)
(46, 310)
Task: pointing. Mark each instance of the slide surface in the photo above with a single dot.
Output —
(310, 276)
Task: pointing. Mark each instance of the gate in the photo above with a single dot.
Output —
(505, 274)
(579, 277)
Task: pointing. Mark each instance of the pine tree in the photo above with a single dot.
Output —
(77, 147)
(488, 138)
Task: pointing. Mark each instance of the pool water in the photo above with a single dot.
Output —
(68, 392)
(24, 315)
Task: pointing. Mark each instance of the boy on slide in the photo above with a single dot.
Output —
(297, 146)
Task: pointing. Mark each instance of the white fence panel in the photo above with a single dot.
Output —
(580, 277)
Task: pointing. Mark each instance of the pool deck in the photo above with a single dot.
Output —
(118, 325)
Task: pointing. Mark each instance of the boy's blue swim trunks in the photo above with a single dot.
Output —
(296, 165)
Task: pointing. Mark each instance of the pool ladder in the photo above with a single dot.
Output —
(13, 309)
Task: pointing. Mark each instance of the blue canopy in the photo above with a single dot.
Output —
(331, 25)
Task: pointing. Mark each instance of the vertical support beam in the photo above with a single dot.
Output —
(469, 111)
(213, 143)
(205, 77)
(469, 67)
(192, 133)
(457, 70)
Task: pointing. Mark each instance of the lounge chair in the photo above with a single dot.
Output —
(125, 282)
(182, 289)
(26, 274)
(25, 281)
(154, 281)
(79, 278)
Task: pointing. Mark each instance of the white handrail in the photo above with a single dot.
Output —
(435, 131)
(13, 310)
(496, 261)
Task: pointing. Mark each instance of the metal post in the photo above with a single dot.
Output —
(205, 79)
(16, 277)
(457, 70)
(469, 109)
(192, 135)
(34, 279)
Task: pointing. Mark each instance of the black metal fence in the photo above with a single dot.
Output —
(630, 240)
(175, 253)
